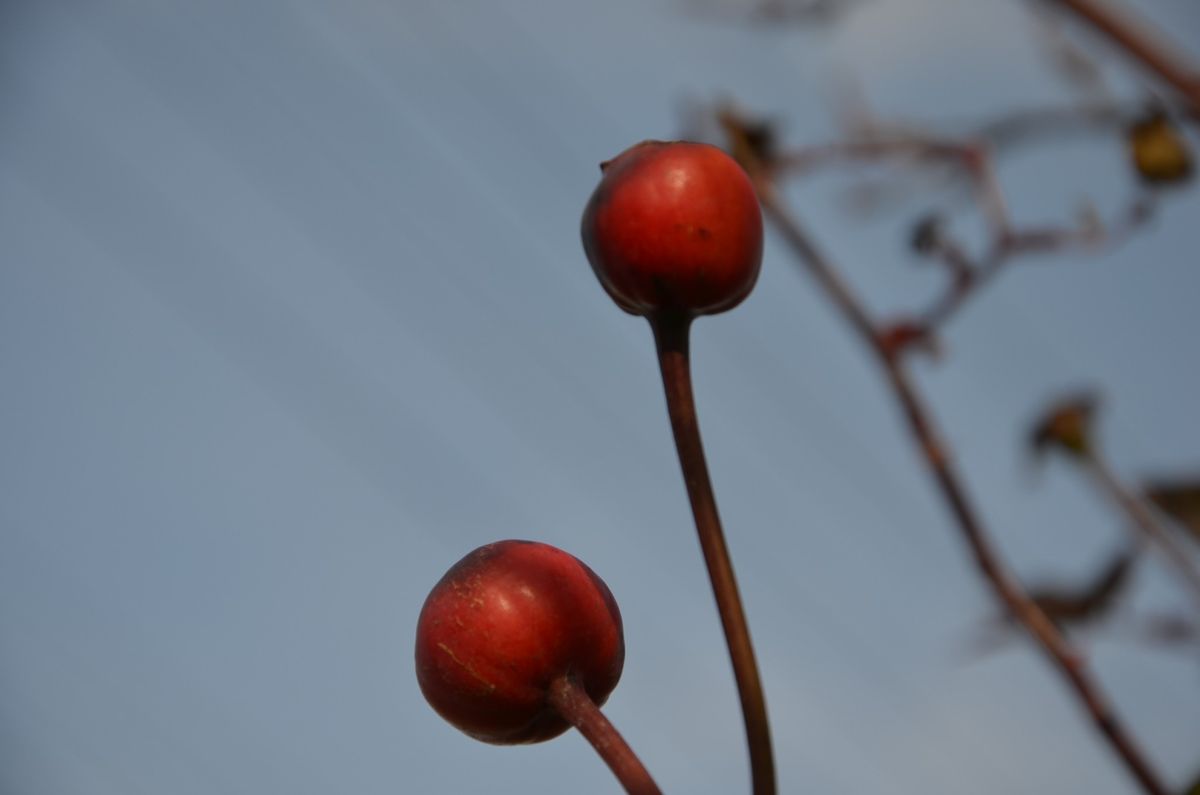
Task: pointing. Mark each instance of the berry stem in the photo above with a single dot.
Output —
(574, 705)
(671, 335)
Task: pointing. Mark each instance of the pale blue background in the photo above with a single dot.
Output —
(293, 314)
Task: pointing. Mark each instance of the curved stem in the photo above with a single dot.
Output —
(671, 334)
(571, 701)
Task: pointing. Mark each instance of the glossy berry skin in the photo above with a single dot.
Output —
(674, 227)
(504, 623)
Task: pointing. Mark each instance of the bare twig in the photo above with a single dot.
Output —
(1070, 61)
(1070, 606)
(777, 12)
(1168, 629)
(970, 276)
(1020, 126)
(1006, 587)
(1068, 427)
(972, 157)
(1143, 520)
(1179, 498)
(1136, 39)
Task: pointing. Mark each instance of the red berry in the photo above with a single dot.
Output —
(675, 228)
(504, 623)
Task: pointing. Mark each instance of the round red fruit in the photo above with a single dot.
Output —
(503, 624)
(674, 227)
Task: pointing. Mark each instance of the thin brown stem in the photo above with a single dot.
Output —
(671, 334)
(572, 702)
(1004, 585)
(1007, 248)
(1143, 521)
(1144, 45)
(987, 186)
(890, 147)
(971, 156)
(921, 145)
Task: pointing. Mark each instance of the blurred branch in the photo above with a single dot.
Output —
(1071, 606)
(1160, 156)
(800, 13)
(1019, 126)
(1144, 521)
(1007, 589)
(968, 275)
(1169, 629)
(1069, 60)
(972, 157)
(1179, 498)
(1141, 43)
(1090, 602)
(1067, 426)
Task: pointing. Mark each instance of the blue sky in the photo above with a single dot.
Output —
(294, 314)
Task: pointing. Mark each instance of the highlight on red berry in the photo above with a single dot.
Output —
(674, 227)
(502, 626)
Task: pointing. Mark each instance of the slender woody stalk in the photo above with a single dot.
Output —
(1143, 521)
(1144, 45)
(671, 336)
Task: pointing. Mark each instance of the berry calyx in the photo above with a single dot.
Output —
(504, 625)
(674, 228)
